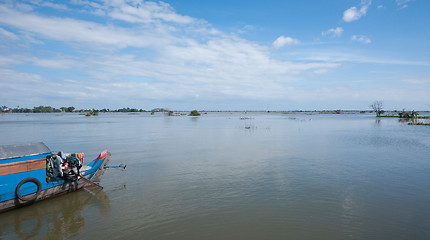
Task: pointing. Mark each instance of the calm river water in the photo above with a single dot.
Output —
(232, 176)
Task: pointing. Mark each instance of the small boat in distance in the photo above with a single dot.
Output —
(31, 172)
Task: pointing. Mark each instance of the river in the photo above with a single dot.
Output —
(255, 175)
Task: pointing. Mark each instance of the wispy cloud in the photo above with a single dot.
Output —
(361, 38)
(135, 11)
(355, 13)
(403, 3)
(282, 41)
(50, 5)
(130, 51)
(333, 32)
(338, 56)
(7, 34)
(72, 30)
(6, 61)
(416, 81)
(158, 54)
(145, 12)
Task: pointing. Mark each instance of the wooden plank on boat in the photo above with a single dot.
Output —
(24, 166)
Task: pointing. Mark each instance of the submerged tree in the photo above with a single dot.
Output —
(194, 113)
(377, 107)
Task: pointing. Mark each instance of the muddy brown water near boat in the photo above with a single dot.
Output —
(232, 176)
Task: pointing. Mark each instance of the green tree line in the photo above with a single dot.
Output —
(49, 109)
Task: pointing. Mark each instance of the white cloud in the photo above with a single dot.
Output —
(159, 53)
(137, 11)
(361, 38)
(245, 29)
(8, 34)
(416, 81)
(355, 57)
(282, 41)
(403, 3)
(59, 62)
(334, 32)
(13, 82)
(71, 30)
(321, 71)
(136, 52)
(354, 13)
(51, 5)
(10, 60)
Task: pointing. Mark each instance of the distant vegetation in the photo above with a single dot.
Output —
(194, 113)
(90, 112)
(153, 111)
(404, 114)
(419, 123)
(338, 111)
(377, 107)
(331, 112)
(128, 110)
(411, 116)
(39, 109)
(49, 109)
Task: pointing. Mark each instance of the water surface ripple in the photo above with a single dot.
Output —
(232, 176)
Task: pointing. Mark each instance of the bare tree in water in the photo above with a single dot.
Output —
(377, 107)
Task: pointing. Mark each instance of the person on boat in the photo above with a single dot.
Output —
(57, 163)
(73, 165)
(63, 155)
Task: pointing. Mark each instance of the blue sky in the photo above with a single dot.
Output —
(216, 55)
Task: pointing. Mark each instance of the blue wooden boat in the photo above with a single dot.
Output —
(26, 174)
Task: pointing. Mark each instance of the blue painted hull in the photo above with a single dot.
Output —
(48, 187)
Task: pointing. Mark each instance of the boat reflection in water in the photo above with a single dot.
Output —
(56, 218)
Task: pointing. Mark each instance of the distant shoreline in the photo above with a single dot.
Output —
(386, 114)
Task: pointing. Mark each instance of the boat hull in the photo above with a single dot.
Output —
(60, 187)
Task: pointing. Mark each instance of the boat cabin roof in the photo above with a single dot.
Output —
(21, 150)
